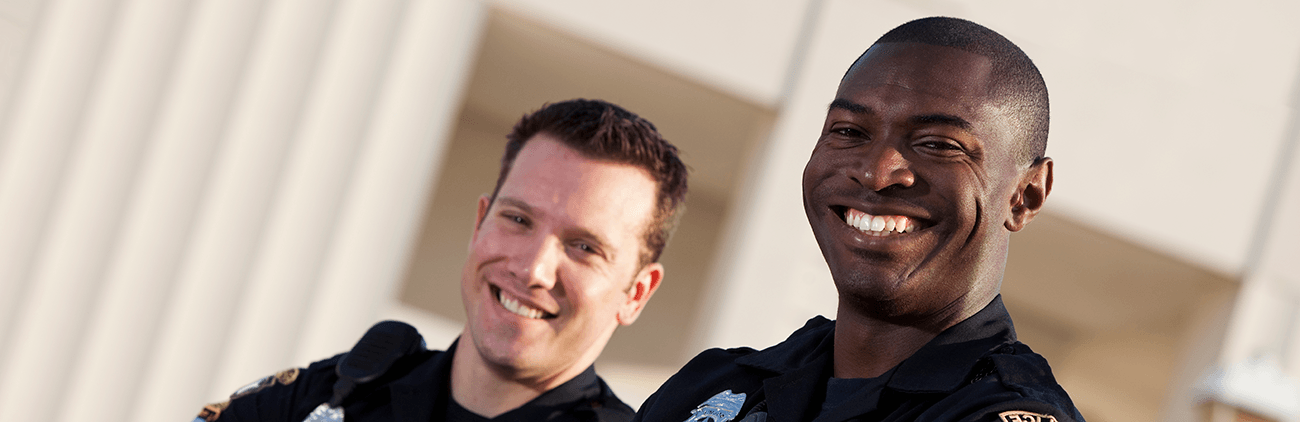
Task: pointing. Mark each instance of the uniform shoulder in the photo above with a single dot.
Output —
(716, 362)
(709, 370)
(735, 372)
(387, 351)
(1032, 389)
(1029, 373)
(276, 392)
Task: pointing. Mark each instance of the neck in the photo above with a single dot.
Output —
(489, 391)
(867, 346)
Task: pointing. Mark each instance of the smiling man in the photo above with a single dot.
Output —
(564, 251)
(931, 155)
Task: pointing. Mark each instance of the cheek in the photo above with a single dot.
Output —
(819, 167)
(808, 173)
(598, 296)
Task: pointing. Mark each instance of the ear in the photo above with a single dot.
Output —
(1031, 193)
(643, 286)
(484, 202)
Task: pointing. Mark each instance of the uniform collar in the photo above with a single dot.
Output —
(812, 343)
(583, 388)
(425, 390)
(941, 365)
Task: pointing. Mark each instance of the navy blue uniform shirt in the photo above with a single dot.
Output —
(973, 371)
(416, 389)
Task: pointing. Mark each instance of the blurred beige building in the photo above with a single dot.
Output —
(197, 193)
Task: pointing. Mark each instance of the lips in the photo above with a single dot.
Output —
(518, 308)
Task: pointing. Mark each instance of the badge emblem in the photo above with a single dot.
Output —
(1024, 416)
(722, 407)
(325, 413)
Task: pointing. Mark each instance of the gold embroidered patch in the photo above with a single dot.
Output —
(287, 376)
(213, 411)
(1024, 416)
(282, 378)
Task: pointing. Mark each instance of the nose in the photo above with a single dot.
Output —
(884, 166)
(536, 264)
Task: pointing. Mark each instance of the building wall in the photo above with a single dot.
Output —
(196, 193)
(188, 184)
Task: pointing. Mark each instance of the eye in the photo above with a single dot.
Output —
(585, 251)
(517, 219)
(848, 132)
(844, 135)
(940, 147)
(584, 247)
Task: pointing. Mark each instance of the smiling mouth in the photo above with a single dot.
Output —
(520, 309)
(878, 225)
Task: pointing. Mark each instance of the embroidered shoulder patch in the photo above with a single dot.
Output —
(722, 407)
(284, 377)
(1024, 416)
(213, 411)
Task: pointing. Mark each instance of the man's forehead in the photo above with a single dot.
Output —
(551, 179)
(946, 71)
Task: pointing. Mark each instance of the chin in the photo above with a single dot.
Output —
(508, 357)
(881, 297)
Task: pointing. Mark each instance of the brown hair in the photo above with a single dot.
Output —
(603, 131)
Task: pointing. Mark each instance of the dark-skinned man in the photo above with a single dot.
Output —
(931, 155)
(563, 252)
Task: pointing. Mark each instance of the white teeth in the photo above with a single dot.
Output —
(518, 308)
(879, 225)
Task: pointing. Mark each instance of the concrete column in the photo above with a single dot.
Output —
(19, 22)
(227, 234)
(39, 137)
(306, 207)
(137, 281)
(1259, 368)
(42, 308)
(68, 276)
(403, 150)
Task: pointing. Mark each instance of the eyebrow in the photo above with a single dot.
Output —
(924, 119)
(517, 203)
(941, 119)
(849, 106)
(582, 232)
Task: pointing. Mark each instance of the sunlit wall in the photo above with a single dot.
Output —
(197, 193)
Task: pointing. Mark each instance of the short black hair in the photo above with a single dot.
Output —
(600, 130)
(1018, 83)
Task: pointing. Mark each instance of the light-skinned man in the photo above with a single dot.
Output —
(564, 251)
